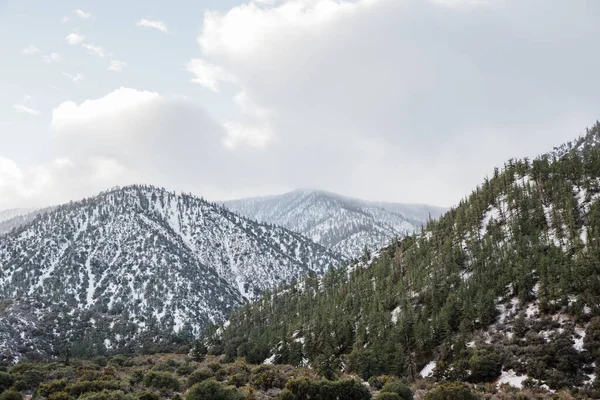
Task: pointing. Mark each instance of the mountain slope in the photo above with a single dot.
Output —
(144, 259)
(343, 224)
(505, 286)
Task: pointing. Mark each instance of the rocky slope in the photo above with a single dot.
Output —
(142, 259)
(343, 224)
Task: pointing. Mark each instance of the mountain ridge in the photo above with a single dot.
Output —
(342, 223)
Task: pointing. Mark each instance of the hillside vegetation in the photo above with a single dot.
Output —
(506, 285)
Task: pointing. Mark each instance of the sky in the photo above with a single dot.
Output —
(391, 100)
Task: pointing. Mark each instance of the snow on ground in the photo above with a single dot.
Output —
(427, 370)
(395, 314)
(270, 360)
(511, 378)
(578, 345)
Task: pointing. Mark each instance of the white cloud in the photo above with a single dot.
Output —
(116, 66)
(254, 129)
(400, 91)
(94, 50)
(65, 19)
(29, 50)
(159, 25)
(208, 75)
(52, 58)
(74, 38)
(83, 14)
(77, 78)
(26, 110)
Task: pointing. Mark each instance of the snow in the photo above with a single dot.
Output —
(395, 314)
(427, 370)
(578, 338)
(511, 378)
(270, 360)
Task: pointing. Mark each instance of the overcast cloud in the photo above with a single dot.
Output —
(411, 101)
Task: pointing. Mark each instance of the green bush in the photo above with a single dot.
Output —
(147, 396)
(388, 396)
(285, 395)
(348, 389)
(161, 380)
(78, 388)
(398, 388)
(107, 395)
(199, 376)
(213, 390)
(485, 366)
(450, 391)
(46, 389)
(266, 377)
(118, 360)
(185, 369)
(101, 361)
(6, 381)
(60, 396)
(11, 395)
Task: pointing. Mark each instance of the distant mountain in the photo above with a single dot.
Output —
(503, 288)
(138, 261)
(344, 224)
(16, 217)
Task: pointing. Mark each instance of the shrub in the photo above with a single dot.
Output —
(388, 396)
(348, 389)
(11, 395)
(199, 376)
(185, 369)
(118, 360)
(161, 380)
(450, 391)
(79, 388)
(214, 366)
(398, 388)
(101, 361)
(266, 377)
(485, 366)
(59, 396)
(285, 395)
(238, 380)
(46, 389)
(107, 395)
(6, 381)
(147, 396)
(213, 390)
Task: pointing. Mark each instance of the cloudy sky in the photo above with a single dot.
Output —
(398, 100)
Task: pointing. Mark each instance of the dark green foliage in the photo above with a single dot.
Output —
(78, 388)
(185, 369)
(305, 389)
(46, 389)
(398, 388)
(6, 381)
(107, 395)
(11, 395)
(485, 366)
(388, 396)
(147, 396)
(161, 380)
(118, 360)
(59, 396)
(450, 391)
(212, 389)
(199, 376)
(266, 377)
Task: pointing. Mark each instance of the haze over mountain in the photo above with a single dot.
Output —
(344, 224)
(140, 260)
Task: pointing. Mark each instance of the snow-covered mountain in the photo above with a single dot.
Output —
(16, 217)
(343, 224)
(143, 259)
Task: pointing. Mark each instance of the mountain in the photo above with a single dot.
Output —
(504, 287)
(340, 223)
(16, 217)
(141, 261)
